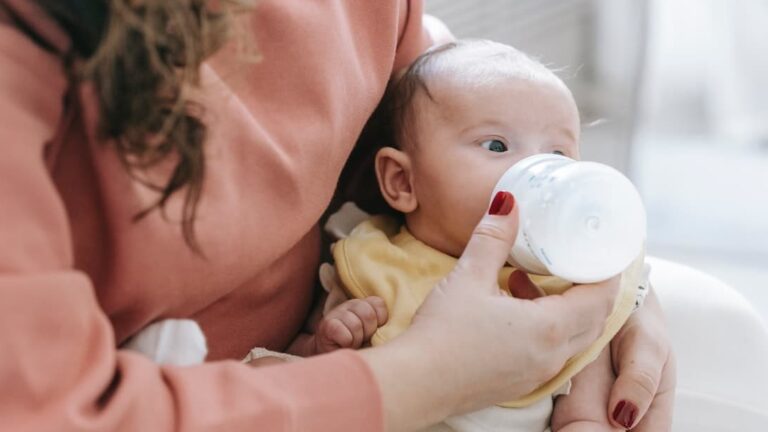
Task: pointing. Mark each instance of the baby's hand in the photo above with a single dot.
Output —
(350, 324)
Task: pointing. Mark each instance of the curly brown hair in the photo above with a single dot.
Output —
(151, 50)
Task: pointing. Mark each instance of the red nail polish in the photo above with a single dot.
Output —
(625, 413)
(502, 204)
(521, 286)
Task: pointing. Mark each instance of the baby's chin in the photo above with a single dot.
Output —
(450, 240)
(445, 243)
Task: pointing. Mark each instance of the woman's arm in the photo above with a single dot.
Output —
(60, 368)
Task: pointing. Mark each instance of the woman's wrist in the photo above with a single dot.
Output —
(413, 393)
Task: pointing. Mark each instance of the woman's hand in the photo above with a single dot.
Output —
(470, 347)
(644, 391)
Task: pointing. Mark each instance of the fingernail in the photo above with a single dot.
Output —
(521, 286)
(502, 204)
(625, 413)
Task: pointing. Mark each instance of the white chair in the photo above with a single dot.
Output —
(721, 345)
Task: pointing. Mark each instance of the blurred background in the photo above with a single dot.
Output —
(673, 93)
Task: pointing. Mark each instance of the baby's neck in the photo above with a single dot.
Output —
(428, 233)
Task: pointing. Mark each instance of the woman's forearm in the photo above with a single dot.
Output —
(409, 395)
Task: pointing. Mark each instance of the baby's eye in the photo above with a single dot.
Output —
(494, 146)
(558, 152)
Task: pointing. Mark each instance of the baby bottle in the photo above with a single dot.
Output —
(581, 221)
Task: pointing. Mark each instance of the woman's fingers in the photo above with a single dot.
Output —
(645, 369)
(658, 418)
(489, 245)
(521, 286)
(579, 314)
(640, 369)
(639, 375)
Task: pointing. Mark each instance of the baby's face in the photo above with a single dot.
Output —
(468, 137)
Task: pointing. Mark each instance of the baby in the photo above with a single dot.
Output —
(458, 118)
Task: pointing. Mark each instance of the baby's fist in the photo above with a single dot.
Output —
(350, 324)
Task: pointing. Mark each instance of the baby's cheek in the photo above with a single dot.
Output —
(469, 209)
(474, 213)
(476, 207)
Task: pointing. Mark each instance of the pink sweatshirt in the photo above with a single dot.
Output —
(78, 277)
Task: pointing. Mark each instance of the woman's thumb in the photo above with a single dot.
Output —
(491, 241)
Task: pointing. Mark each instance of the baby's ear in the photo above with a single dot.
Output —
(393, 172)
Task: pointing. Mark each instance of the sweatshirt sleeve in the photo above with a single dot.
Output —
(59, 367)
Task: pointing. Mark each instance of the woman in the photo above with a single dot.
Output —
(116, 215)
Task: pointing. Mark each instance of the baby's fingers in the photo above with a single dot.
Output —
(371, 312)
(335, 334)
(380, 308)
(580, 314)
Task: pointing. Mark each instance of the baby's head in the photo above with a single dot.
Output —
(462, 114)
